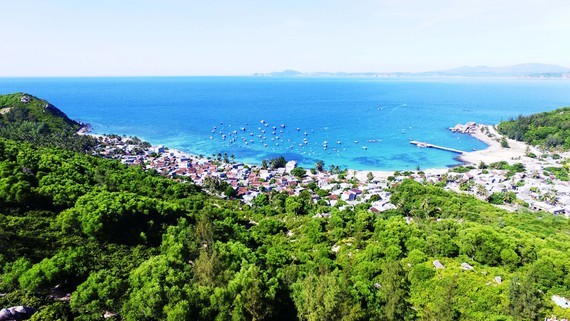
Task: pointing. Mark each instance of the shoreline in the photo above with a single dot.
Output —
(533, 186)
(493, 153)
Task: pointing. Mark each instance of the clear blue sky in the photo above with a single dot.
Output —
(231, 37)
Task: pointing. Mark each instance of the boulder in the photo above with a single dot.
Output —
(16, 313)
(438, 264)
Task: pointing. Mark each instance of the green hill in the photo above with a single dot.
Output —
(83, 237)
(549, 129)
(24, 117)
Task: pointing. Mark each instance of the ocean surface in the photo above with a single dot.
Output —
(362, 123)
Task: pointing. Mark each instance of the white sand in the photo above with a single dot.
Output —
(495, 153)
(516, 153)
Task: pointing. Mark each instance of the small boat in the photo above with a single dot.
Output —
(364, 147)
(339, 142)
(282, 125)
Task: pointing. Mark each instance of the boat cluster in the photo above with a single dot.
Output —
(276, 138)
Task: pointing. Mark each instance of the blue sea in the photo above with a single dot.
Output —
(356, 123)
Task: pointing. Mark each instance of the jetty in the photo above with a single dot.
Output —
(428, 145)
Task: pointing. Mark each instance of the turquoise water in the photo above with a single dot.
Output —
(382, 115)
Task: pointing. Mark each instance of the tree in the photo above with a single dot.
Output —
(319, 165)
(395, 290)
(525, 301)
(278, 162)
(101, 291)
(299, 172)
(323, 297)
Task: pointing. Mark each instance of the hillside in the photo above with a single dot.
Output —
(548, 129)
(86, 238)
(24, 117)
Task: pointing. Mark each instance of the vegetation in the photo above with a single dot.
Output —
(26, 118)
(124, 241)
(134, 243)
(548, 129)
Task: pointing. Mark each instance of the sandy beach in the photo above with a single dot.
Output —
(495, 153)
(515, 153)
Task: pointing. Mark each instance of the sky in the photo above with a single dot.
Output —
(231, 37)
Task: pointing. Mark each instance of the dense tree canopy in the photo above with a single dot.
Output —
(548, 129)
(149, 248)
(83, 237)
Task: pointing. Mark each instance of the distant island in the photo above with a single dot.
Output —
(529, 70)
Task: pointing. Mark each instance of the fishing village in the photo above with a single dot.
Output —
(509, 174)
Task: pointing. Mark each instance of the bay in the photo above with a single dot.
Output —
(356, 123)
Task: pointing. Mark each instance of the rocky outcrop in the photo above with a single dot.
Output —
(438, 264)
(464, 129)
(16, 313)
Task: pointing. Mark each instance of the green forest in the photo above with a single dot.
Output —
(550, 130)
(87, 238)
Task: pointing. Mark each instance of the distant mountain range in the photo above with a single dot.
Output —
(521, 71)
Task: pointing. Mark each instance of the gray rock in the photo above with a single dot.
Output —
(16, 313)
(498, 279)
(438, 264)
(465, 266)
(6, 315)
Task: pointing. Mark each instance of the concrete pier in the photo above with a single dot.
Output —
(427, 145)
